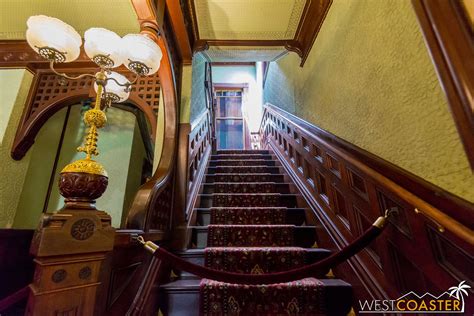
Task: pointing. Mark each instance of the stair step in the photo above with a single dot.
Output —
(242, 157)
(245, 169)
(243, 151)
(247, 200)
(245, 177)
(304, 236)
(242, 162)
(294, 216)
(246, 187)
(196, 256)
(181, 297)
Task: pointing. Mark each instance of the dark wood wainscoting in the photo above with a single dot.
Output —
(428, 247)
(199, 149)
(16, 263)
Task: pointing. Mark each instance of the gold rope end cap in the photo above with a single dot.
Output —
(85, 166)
(380, 222)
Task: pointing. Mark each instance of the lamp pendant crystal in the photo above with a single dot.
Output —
(53, 39)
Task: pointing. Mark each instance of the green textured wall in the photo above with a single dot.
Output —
(160, 133)
(35, 189)
(135, 167)
(186, 90)
(14, 87)
(198, 92)
(369, 80)
(115, 145)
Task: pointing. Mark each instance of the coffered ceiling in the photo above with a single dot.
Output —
(248, 19)
(116, 15)
(244, 53)
(236, 30)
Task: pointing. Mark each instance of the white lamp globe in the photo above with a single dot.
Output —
(104, 47)
(114, 91)
(52, 38)
(142, 51)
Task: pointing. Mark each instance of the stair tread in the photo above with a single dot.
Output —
(243, 167)
(235, 183)
(243, 151)
(193, 284)
(202, 228)
(195, 252)
(200, 251)
(276, 193)
(239, 160)
(291, 209)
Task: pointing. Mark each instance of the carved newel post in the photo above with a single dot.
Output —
(70, 245)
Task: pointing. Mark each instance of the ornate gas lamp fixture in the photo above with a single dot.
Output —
(85, 180)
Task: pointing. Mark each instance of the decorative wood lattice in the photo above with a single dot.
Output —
(49, 93)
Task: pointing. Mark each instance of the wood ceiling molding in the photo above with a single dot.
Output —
(18, 54)
(180, 30)
(308, 26)
(244, 53)
(448, 32)
(313, 17)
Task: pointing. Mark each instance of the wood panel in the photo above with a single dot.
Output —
(430, 249)
(196, 143)
(16, 263)
(311, 20)
(449, 32)
(48, 94)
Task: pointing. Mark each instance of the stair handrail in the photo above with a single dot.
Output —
(440, 219)
(148, 194)
(14, 298)
(309, 270)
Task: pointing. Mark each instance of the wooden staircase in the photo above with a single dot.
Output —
(249, 191)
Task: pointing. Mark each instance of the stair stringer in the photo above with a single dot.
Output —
(359, 276)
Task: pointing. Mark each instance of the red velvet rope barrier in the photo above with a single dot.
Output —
(279, 277)
(14, 298)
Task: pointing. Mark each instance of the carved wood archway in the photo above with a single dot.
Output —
(47, 96)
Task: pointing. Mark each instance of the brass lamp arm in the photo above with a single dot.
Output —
(126, 85)
(51, 66)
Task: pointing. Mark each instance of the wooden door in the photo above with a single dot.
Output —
(229, 119)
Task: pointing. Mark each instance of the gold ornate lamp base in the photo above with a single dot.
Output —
(85, 180)
(82, 182)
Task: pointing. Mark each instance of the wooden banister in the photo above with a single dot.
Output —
(419, 204)
(347, 187)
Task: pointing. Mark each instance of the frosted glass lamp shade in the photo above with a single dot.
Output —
(114, 91)
(104, 47)
(143, 54)
(53, 39)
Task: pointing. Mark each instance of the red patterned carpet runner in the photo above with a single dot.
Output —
(303, 297)
(251, 187)
(246, 216)
(249, 177)
(244, 169)
(231, 162)
(221, 199)
(254, 260)
(250, 235)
